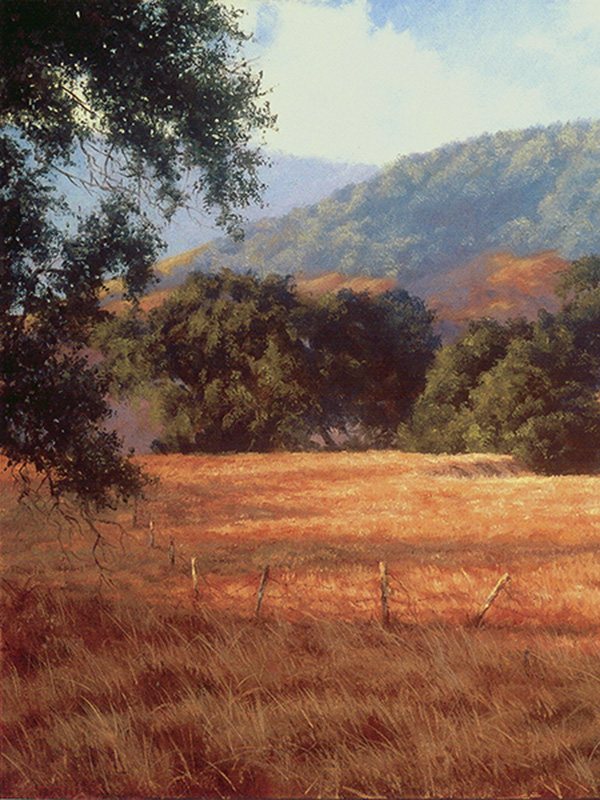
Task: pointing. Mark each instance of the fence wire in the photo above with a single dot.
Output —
(323, 593)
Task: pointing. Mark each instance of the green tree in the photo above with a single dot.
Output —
(225, 360)
(579, 288)
(519, 388)
(236, 362)
(368, 357)
(145, 93)
(442, 419)
(539, 403)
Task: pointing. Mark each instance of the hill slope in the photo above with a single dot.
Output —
(519, 191)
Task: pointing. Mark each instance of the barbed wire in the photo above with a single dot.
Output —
(282, 588)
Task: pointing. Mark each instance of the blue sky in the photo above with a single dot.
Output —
(364, 81)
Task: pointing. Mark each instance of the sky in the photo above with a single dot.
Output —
(365, 81)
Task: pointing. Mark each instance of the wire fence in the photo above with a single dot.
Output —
(354, 591)
(314, 594)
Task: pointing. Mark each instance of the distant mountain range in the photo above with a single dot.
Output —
(291, 182)
(522, 191)
(482, 227)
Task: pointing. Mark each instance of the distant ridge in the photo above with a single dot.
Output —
(478, 228)
(520, 192)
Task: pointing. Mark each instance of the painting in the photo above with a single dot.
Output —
(300, 399)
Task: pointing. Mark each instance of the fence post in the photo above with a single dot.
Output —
(478, 619)
(172, 552)
(194, 575)
(384, 583)
(261, 590)
(151, 533)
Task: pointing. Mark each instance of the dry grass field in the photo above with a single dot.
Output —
(123, 680)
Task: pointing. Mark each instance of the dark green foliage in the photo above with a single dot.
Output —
(235, 362)
(160, 82)
(522, 389)
(580, 279)
(367, 358)
(53, 410)
(442, 421)
(539, 403)
(142, 92)
(580, 291)
(229, 360)
(460, 365)
(426, 214)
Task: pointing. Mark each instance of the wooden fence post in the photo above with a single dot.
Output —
(151, 533)
(384, 583)
(194, 575)
(261, 590)
(478, 619)
(172, 553)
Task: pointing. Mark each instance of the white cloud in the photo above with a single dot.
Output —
(538, 42)
(346, 90)
(583, 16)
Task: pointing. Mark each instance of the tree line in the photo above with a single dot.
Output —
(238, 363)
(525, 388)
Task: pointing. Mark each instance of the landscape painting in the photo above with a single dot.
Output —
(300, 399)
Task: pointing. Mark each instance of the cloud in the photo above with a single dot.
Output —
(347, 90)
(583, 16)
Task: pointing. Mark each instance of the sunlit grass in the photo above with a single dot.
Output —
(122, 681)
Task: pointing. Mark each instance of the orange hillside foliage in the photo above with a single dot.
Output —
(499, 285)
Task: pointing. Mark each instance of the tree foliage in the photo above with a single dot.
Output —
(367, 358)
(236, 362)
(539, 403)
(442, 416)
(580, 290)
(519, 388)
(228, 356)
(145, 94)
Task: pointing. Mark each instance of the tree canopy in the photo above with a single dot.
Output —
(367, 359)
(238, 362)
(528, 389)
(580, 290)
(155, 99)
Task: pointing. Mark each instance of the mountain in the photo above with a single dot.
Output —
(499, 285)
(290, 182)
(481, 227)
(520, 192)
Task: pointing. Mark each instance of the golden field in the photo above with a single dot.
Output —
(122, 679)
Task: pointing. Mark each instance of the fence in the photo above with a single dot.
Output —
(384, 594)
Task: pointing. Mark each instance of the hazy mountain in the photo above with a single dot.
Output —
(290, 182)
(519, 191)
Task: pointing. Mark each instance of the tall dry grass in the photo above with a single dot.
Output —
(120, 681)
(108, 699)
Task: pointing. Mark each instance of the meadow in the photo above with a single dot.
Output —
(124, 677)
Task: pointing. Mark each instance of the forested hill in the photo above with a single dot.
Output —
(518, 191)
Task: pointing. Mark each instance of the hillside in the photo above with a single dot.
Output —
(519, 192)
(496, 284)
(290, 182)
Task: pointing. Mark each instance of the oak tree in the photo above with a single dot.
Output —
(142, 104)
